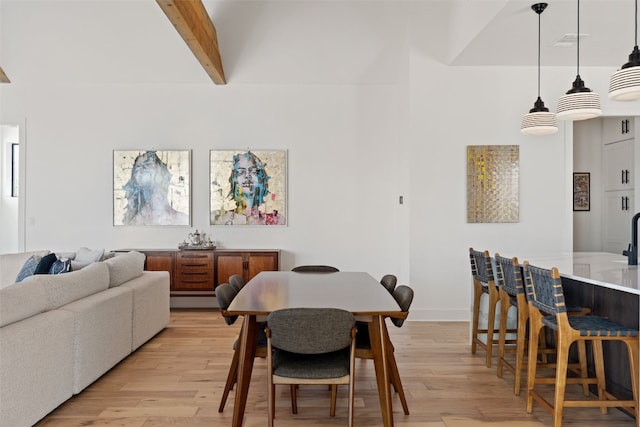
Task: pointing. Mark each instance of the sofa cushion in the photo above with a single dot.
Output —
(45, 264)
(28, 268)
(62, 289)
(22, 300)
(125, 267)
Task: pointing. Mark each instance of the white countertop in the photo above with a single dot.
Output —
(598, 268)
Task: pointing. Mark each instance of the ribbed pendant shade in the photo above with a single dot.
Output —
(580, 102)
(539, 121)
(625, 83)
(579, 106)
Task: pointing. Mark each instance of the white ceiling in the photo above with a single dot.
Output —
(300, 41)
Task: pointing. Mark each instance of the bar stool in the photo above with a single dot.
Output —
(547, 308)
(483, 283)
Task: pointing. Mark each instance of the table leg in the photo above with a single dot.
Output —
(247, 343)
(380, 360)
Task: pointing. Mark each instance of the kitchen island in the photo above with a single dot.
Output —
(605, 283)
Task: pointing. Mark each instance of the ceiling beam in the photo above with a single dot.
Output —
(194, 25)
(3, 77)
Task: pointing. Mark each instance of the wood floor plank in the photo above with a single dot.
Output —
(177, 379)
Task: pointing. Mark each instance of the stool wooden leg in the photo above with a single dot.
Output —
(582, 359)
(491, 321)
(534, 337)
(504, 309)
(632, 346)
(598, 361)
(561, 378)
(477, 293)
(521, 344)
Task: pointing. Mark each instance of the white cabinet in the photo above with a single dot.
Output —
(617, 165)
(618, 211)
(618, 182)
(617, 129)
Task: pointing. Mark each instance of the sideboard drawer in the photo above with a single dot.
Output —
(194, 271)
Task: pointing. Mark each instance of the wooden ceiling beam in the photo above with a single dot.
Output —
(194, 25)
(3, 77)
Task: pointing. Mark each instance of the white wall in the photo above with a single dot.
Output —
(394, 123)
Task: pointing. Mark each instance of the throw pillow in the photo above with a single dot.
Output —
(88, 255)
(28, 268)
(45, 264)
(60, 266)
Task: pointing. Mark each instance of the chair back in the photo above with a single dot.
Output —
(225, 294)
(389, 281)
(315, 269)
(236, 281)
(404, 296)
(481, 268)
(544, 289)
(310, 330)
(508, 274)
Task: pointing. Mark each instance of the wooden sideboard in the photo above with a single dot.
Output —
(198, 272)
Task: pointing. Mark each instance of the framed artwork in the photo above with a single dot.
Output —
(15, 169)
(151, 187)
(493, 183)
(581, 191)
(248, 187)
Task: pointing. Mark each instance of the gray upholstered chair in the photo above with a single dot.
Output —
(236, 281)
(483, 283)
(389, 281)
(547, 308)
(225, 293)
(315, 269)
(404, 297)
(310, 346)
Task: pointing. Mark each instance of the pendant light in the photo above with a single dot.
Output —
(539, 121)
(625, 83)
(580, 102)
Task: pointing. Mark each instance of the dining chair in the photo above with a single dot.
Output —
(389, 281)
(236, 281)
(404, 297)
(547, 308)
(483, 284)
(315, 269)
(225, 293)
(310, 346)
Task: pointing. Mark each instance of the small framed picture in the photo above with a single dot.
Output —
(581, 191)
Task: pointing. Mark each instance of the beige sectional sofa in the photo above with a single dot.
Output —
(59, 333)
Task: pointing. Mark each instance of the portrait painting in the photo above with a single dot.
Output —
(151, 187)
(248, 187)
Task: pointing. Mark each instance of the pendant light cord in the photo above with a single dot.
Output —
(578, 37)
(636, 24)
(539, 52)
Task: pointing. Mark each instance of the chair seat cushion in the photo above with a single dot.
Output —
(593, 326)
(311, 366)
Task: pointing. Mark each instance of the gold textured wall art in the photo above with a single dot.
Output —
(492, 183)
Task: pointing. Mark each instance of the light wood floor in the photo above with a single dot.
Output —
(176, 379)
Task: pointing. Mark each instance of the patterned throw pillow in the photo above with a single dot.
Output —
(28, 268)
(60, 266)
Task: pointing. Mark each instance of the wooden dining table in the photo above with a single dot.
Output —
(356, 292)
